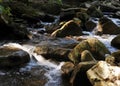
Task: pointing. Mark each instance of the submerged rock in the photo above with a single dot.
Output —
(103, 74)
(12, 57)
(69, 28)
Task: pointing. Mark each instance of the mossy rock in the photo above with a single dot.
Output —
(93, 45)
(75, 54)
(97, 48)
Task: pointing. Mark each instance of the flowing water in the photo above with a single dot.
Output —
(44, 72)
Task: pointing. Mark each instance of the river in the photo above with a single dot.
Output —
(39, 71)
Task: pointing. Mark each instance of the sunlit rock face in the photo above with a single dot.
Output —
(103, 74)
(69, 28)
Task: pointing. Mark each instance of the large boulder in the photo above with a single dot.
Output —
(97, 48)
(69, 28)
(103, 74)
(55, 49)
(93, 45)
(107, 26)
(11, 57)
(116, 42)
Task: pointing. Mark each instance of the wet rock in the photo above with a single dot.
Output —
(67, 68)
(12, 57)
(103, 74)
(94, 12)
(86, 56)
(116, 55)
(90, 25)
(93, 45)
(79, 76)
(107, 26)
(12, 29)
(56, 53)
(110, 59)
(69, 28)
(56, 49)
(116, 42)
(75, 54)
(97, 48)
